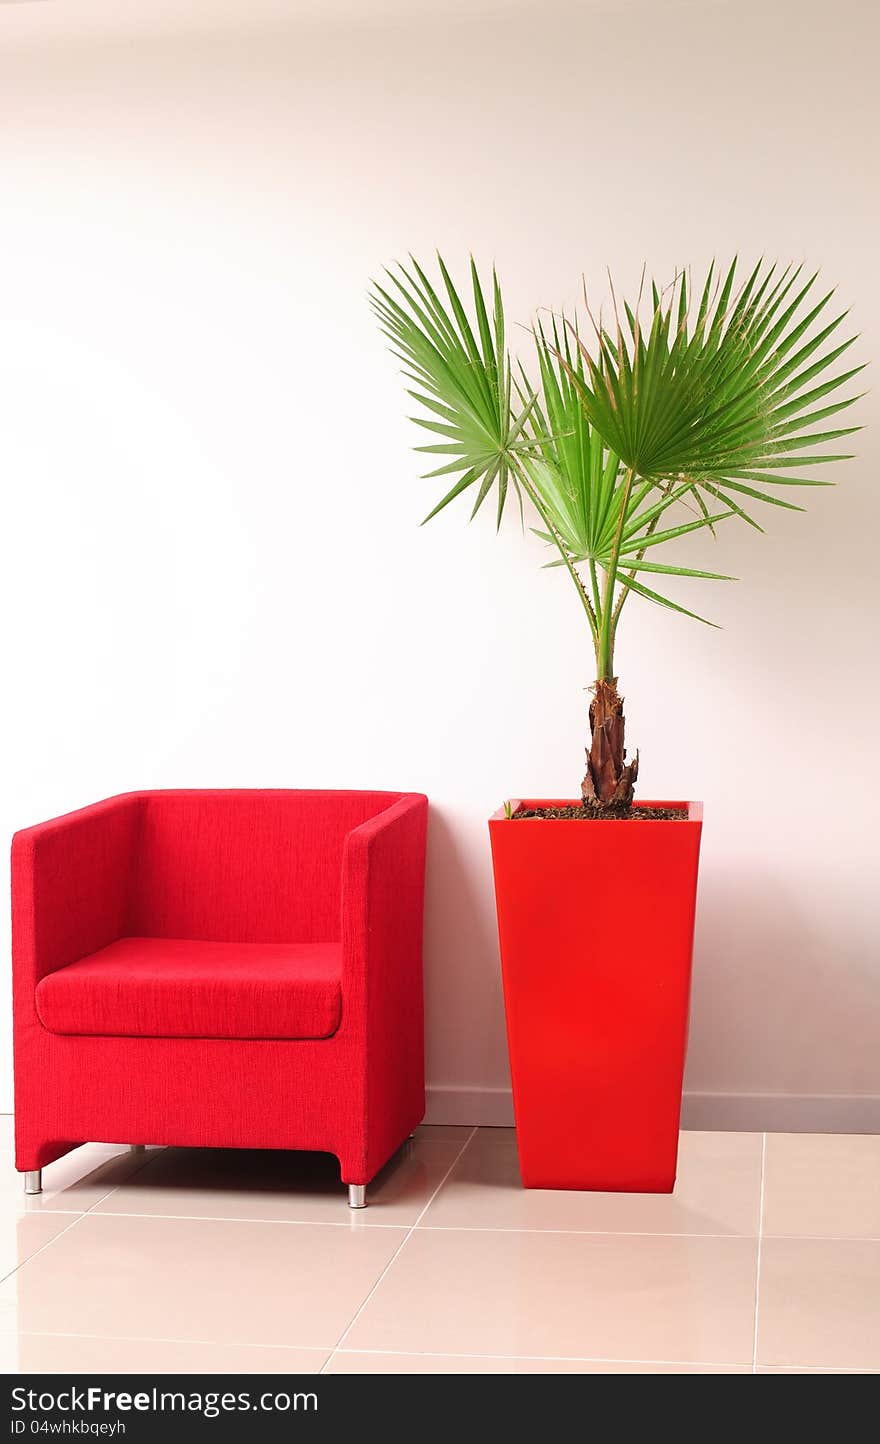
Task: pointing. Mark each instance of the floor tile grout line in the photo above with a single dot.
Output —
(97, 1211)
(42, 1249)
(582, 1232)
(77, 1218)
(238, 1218)
(813, 1369)
(541, 1358)
(345, 1333)
(94, 1208)
(114, 1188)
(132, 1173)
(161, 1339)
(423, 1228)
(418, 1353)
(818, 1237)
(758, 1256)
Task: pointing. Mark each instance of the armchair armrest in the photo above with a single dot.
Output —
(383, 878)
(70, 887)
(383, 882)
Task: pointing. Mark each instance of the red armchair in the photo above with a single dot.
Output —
(227, 969)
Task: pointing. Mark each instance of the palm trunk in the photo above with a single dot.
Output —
(610, 779)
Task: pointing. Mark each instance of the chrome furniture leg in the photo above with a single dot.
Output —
(33, 1180)
(357, 1195)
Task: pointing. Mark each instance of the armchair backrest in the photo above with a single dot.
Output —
(244, 866)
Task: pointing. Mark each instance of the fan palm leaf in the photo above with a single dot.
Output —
(583, 485)
(462, 378)
(728, 396)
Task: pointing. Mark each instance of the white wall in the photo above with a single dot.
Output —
(212, 570)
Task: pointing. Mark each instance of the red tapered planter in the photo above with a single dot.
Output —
(596, 923)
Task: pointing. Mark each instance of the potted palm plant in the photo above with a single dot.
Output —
(690, 407)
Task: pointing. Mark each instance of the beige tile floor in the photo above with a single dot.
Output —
(766, 1259)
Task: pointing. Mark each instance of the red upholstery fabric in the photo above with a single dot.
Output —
(173, 988)
(343, 869)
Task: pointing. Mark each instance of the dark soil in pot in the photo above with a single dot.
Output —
(591, 814)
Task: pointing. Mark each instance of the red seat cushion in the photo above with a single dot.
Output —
(174, 988)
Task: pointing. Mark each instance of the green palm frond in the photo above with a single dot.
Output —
(583, 487)
(726, 397)
(572, 469)
(462, 375)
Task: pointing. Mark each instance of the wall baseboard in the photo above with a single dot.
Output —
(726, 1112)
(489, 1107)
